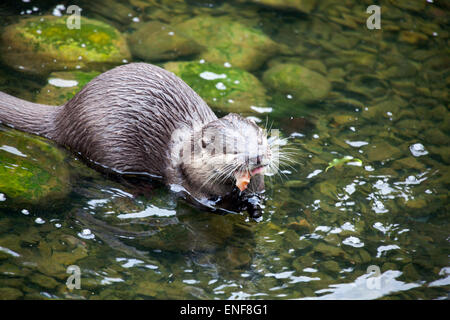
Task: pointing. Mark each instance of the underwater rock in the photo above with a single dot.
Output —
(228, 89)
(408, 162)
(43, 281)
(417, 6)
(410, 272)
(404, 88)
(336, 74)
(439, 112)
(204, 233)
(62, 86)
(328, 250)
(435, 136)
(8, 293)
(344, 40)
(382, 151)
(304, 6)
(388, 266)
(303, 262)
(422, 55)
(155, 41)
(31, 169)
(404, 70)
(412, 127)
(416, 203)
(120, 13)
(296, 184)
(316, 65)
(331, 266)
(412, 37)
(228, 41)
(56, 263)
(365, 256)
(445, 125)
(386, 108)
(304, 84)
(44, 44)
(301, 225)
(237, 257)
(344, 119)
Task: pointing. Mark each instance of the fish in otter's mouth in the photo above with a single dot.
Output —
(243, 177)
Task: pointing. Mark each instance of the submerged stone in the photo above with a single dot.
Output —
(228, 89)
(237, 257)
(44, 44)
(31, 169)
(62, 86)
(304, 84)
(411, 273)
(120, 13)
(316, 65)
(155, 41)
(43, 281)
(417, 6)
(304, 6)
(328, 250)
(408, 162)
(331, 266)
(228, 41)
(435, 136)
(382, 151)
(412, 37)
(301, 225)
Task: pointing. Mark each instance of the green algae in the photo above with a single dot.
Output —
(227, 89)
(229, 41)
(54, 94)
(156, 41)
(44, 44)
(31, 169)
(304, 6)
(304, 84)
(95, 36)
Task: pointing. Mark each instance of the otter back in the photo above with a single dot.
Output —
(123, 119)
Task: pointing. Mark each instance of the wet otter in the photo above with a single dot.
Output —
(141, 119)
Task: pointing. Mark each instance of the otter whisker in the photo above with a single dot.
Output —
(220, 176)
(213, 177)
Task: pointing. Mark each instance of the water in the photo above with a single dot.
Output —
(371, 227)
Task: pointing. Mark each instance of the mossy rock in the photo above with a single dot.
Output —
(228, 41)
(62, 86)
(7, 293)
(44, 44)
(304, 6)
(305, 85)
(227, 89)
(31, 169)
(156, 41)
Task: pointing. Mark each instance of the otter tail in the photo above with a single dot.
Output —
(26, 116)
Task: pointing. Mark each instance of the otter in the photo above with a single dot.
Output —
(140, 119)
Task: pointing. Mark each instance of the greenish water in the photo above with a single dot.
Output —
(325, 232)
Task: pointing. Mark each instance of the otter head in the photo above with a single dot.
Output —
(227, 152)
